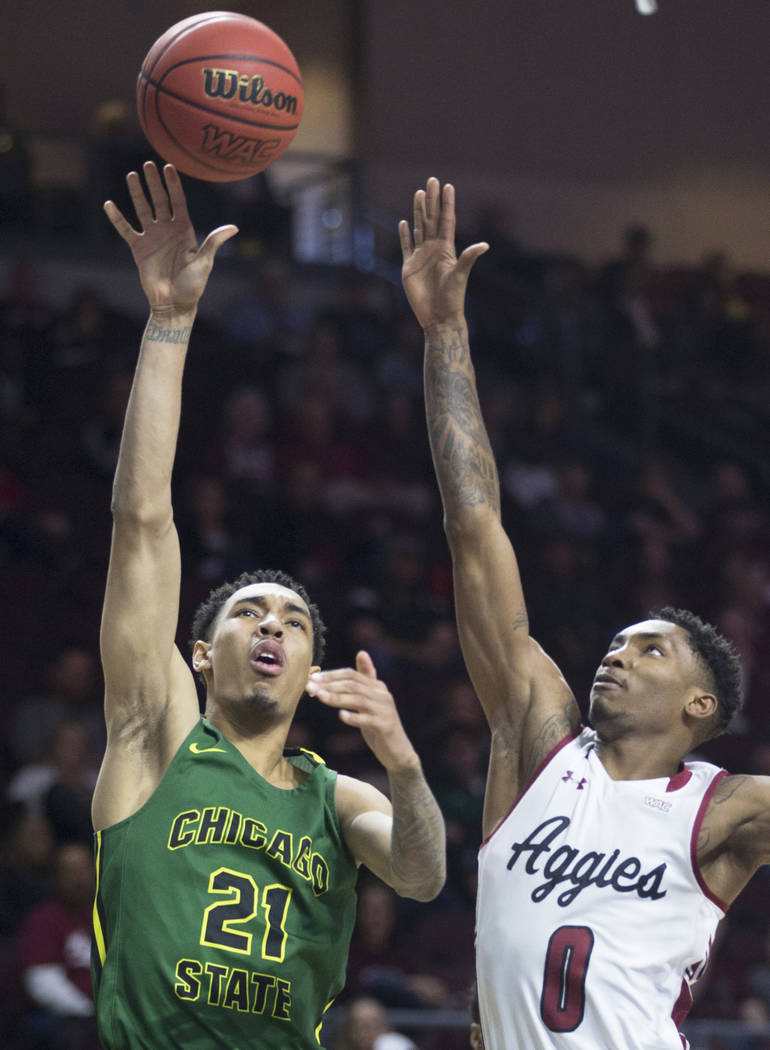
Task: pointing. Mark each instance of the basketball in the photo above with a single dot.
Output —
(219, 96)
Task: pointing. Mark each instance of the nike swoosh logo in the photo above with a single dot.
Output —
(198, 750)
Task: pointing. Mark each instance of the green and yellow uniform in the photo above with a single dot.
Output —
(224, 907)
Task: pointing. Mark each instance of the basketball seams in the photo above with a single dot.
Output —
(221, 57)
(170, 43)
(203, 21)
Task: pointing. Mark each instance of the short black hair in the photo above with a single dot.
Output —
(207, 611)
(717, 656)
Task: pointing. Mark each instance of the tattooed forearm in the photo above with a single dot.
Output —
(153, 333)
(418, 841)
(463, 458)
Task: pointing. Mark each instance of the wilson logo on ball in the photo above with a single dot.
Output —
(223, 83)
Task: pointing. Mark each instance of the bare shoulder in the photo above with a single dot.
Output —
(140, 749)
(548, 731)
(734, 838)
(739, 799)
(519, 747)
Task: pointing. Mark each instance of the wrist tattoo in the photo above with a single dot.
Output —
(155, 334)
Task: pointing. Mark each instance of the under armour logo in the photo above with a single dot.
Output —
(571, 777)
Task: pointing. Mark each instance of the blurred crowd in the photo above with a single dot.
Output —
(627, 405)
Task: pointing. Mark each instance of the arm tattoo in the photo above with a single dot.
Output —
(153, 333)
(724, 791)
(553, 731)
(727, 787)
(462, 454)
(418, 840)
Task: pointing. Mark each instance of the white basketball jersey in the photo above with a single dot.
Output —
(592, 918)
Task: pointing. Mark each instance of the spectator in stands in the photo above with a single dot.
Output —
(458, 786)
(26, 316)
(54, 950)
(324, 369)
(100, 431)
(247, 449)
(384, 962)
(71, 693)
(67, 800)
(60, 787)
(26, 860)
(209, 525)
(366, 1027)
(268, 319)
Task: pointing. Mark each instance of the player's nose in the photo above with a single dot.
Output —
(270, 625)
(615, 658)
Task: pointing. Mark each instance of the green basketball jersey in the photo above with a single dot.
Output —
(224, 908)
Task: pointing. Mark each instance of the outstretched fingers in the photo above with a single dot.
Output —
(446, 218)
(158, 194)
(119, 221)
(405, 237)
(365, 664)
(433, 217)
(418, 217)
(432, 207)
(216, 239)
(347, 689)
(144, 212)
(176, 193)
(469, 257)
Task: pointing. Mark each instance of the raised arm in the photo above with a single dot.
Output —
(150, 696)
(402, 840)
(527, 703)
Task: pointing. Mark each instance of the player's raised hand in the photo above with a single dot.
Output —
(434, 278)
(364, 701)
(172, 267)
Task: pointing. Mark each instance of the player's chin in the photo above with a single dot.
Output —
(598, 709)
(261, 701)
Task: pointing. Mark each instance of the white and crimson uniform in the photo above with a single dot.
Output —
(593, 920)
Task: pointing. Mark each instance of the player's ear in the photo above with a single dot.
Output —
(702, 705)
(201, 656)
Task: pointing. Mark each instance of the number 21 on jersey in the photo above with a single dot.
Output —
(225, 922)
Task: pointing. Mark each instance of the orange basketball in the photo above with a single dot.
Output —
(219, 96)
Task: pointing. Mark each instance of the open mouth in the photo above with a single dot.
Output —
(267, 658)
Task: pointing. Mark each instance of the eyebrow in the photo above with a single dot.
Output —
(647, 636)
(288, 606)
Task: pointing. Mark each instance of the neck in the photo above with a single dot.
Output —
(260, 738)
(638, 758)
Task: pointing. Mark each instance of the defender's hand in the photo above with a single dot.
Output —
(172, 268)
(434, 278)
(366, 702)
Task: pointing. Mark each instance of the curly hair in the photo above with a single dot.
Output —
(207, 611)
(717, 656)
